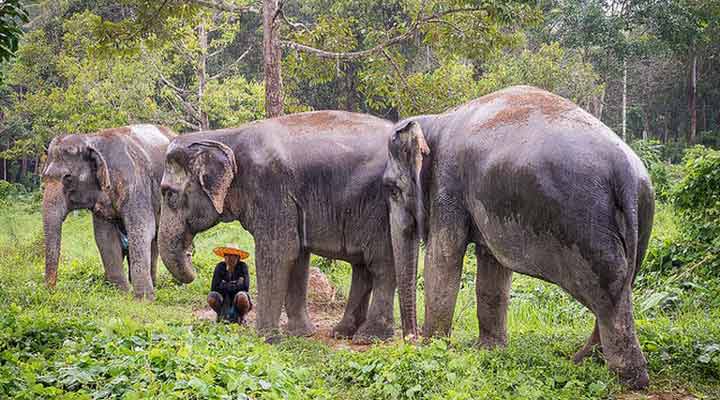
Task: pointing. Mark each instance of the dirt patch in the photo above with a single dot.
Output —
(322, 122)
(320, 290)
(673, 395)
(324, 308)
(521, 104)
(324, 316)
(169, 133)
(113, 132)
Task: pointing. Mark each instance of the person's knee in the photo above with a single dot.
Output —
(242, 302)
(215, 300)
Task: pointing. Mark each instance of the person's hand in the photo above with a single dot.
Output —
(241, 280)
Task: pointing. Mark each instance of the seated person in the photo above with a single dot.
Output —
(229, 295)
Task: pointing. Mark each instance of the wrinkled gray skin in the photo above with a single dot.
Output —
(300, 184)
(542, 188)
(116, 174)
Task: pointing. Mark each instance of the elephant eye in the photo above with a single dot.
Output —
(393, 190)
(171, 196)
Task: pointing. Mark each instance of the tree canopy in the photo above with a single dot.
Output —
(201, 64)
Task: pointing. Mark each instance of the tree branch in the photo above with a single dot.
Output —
(231, 65)
(402, 77)
(221, 5)
(352, 55)
(160, 74)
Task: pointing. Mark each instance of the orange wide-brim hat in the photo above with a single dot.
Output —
(231, 249)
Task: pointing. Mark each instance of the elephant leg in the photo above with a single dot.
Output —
(615, 326)
(107, 239)
(274, 259)
(140, 236)
(379, 324)
(153, 260)
(620, 343)
(592, 342)
(447, 242)
(296, 299)
(492, 290)
(357, 304)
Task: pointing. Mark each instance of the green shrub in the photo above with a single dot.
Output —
(9, 189)
(683, 256)
(662, 173)
(697, 195)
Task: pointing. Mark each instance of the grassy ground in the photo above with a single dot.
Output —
(86, 340)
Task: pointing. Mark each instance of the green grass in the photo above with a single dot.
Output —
(86, 340)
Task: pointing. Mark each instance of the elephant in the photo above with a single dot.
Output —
(541, 188)
(299, 184)
(116, 174)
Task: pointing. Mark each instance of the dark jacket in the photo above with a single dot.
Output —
(226, 284)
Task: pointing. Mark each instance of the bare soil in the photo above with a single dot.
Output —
(672, 395)
(324, 307)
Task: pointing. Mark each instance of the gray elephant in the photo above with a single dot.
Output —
(115, 173)
(300, 184)
(542, 188)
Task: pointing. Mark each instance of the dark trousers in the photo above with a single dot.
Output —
(233, 310)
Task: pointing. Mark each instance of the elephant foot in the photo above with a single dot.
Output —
(299, 324)
(634, 378)
(591, 344)
(490, 342)
(121, 284)
(344, 330)
(586, 352)
(144, 295)
(273, 339)
(369, 333)
(300, 328)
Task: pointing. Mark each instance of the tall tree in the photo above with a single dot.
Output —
(686, 27)
(272, 55)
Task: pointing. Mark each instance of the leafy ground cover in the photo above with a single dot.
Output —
(85, 340)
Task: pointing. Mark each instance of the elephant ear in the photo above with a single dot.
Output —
(101, 170)
(214, 165)
(49, 156)
(408, 145)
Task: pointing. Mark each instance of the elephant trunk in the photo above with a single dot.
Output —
(175, 246)
(405, 253)
(55, 210)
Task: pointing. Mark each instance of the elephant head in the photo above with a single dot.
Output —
(76, 177)
(196, 181)
(402, 182)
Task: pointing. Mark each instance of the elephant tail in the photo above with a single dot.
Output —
(637, 205)
(645, 217)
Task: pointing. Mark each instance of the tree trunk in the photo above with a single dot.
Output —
(692, 99)
(202, 75)
(271, 60)
(624, 102)
(22, 171)
(602, 103)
